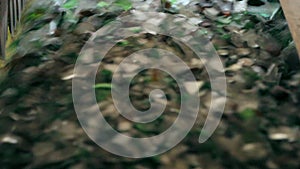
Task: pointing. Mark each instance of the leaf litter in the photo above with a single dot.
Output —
(260, 126)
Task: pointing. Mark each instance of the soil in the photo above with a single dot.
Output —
(259, 128)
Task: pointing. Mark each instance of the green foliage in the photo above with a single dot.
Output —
(206, 85)
(102, 94)
(105, 76)
(226, 36)
(103, 86)
(69, 16)
(124, 4)
(8, 154)
(102, 4)
(173, 1)
(70, 4)
(224, 20)
(250, 77)
(123, 43)
(247, 114)
(136, 29)
(35, 15)
(249, 25)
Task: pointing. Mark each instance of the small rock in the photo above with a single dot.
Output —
(225, 6)
(234, 67)
(246, 62)
(253, 45)
(243, 52)
(206, 24)
(270, 164)
(195, 21)
(211, 13)
(193, 87)
(197, 63)
(219, 42)
(240, 6)
(270, 45)
(255, 151)
(10, 139)
(10, 92)
(43, 148)
(205, 4)
(284, 133)
(129, 68)
(223, 52)
(84, 28)
(124, 126)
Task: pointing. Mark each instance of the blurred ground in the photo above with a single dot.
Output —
(260, 125)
